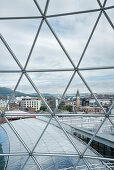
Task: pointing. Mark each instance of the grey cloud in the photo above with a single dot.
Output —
(18, 8)
(58, 6)
(73, 32)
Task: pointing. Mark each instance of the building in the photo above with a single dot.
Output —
(88, 109)
(85, 102)
(52, 101)
(3, 104)
(105, 102)
(31, 109)
(27, 103)
(13, 106)
(77, 101)
(92, 102)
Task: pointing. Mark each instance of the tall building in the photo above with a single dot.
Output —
(77, 101)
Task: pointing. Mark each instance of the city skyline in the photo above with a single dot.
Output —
(21, 33)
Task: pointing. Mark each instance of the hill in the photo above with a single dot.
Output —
(7, 92)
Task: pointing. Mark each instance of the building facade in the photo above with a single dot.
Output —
(34, 103)
(3, 104)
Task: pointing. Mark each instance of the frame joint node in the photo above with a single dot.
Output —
(53, 114)
(81, 156)
(2, 115)
(102, 9)
(24, 71)
(44, 17)
(76, 68)
(107, 115)
(30, 153)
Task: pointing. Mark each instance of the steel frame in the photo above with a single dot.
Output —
(75, 69)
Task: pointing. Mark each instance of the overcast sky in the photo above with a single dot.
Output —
(73, 31)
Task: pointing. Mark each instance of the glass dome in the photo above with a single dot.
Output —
(46, 151)
(54, 48)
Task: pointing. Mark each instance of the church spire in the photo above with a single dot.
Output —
(77, 101)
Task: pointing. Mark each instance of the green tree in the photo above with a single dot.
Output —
(68, 108)
(43, 108)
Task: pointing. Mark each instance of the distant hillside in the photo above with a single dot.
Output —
(7, 92)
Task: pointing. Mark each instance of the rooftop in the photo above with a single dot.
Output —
(53, 151)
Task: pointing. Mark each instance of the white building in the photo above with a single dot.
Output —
(105, 102)
(30, 103)
(56, 102)
(3, 104)
(92, 103)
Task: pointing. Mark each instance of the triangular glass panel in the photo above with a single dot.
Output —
(80, 165)
(58, 6)
(102, 1)
(74, 31)
(16, 162)
(24, 87)
(28, 98)
(96, 163)
(20, 36)
(56, 162)
(54, 140)
(30, 164)
(31, 130)
(106, 131)
(90, 126)
(110, 3)
(110, 13)
(17, 147)
(51, 85)
(18, 8)
(42, 4)
(6, 60)
(7, 84)
(76, 98)
(102, 144)
(47, 53)
(101, 83)
(99, 146)
(99, 51)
